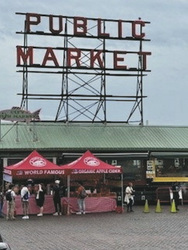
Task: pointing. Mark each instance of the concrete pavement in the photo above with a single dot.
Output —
(101, 231)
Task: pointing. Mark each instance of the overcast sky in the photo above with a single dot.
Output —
(166, 86)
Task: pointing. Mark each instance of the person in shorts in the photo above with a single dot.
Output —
(25, 194)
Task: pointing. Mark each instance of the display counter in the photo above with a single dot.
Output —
(93, 205)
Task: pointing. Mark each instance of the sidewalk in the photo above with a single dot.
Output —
(101, 231)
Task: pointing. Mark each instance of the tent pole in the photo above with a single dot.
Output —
(0, 129)
(122, 191)
(68, 194)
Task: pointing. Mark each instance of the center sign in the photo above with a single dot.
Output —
(82, 28)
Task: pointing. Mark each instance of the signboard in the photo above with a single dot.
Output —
(150, 172)
(107, 29)
(87, 53)
(7, 178)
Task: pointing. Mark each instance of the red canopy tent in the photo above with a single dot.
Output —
(89, 164)
(33, 166)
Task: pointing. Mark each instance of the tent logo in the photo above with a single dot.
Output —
(90, 161)
(37, 162)
(20, 172)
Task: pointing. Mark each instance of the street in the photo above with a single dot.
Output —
(100, 231)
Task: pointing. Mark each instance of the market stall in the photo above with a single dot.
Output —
(92, 171)
(87, 168)
(93, 204)
(35, 167)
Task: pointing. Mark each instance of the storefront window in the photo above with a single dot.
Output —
(177, 167)
(132, 169)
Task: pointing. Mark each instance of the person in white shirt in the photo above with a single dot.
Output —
(25, 194)
(129, 197)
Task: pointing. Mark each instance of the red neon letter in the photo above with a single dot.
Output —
(73, 54)
(24, 56)
(94, 57)
(144, 59)
(29, 22)
(80, 28)
(50, 56)
(100, 33)
(51, 18)
(134, 26)
(120, 28)
(119, 59)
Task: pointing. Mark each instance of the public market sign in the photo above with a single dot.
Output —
(77, 56)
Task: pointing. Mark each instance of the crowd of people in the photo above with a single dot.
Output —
(11, 194)
(25, 192)
(58, 191)
(175, 195)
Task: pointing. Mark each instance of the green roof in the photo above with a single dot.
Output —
(114, 137)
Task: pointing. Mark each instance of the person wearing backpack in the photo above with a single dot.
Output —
(81, 195)
(25, 194)
(10, 198)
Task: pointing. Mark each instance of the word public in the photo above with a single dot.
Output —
(80, 25)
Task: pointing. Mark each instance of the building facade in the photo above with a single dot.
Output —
(151, 156)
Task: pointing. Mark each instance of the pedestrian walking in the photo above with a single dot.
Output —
(129, 197)
(57, 194)
(10, 198)
(175, 191)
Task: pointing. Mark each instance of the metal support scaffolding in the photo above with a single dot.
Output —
(84, 95)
